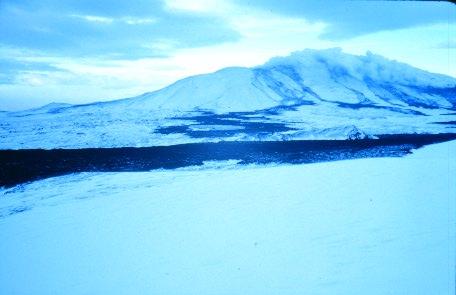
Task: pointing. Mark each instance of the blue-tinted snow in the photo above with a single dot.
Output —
(369, 226)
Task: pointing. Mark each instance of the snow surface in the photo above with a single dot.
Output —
(320, 93)
(100, 127)
(368, 226)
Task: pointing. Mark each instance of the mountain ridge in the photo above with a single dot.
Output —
(311, 94)
(307, 76)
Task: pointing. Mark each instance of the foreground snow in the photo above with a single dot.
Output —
(370, 226)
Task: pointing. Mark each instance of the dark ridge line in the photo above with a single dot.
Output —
(445, 123)
(22, 166)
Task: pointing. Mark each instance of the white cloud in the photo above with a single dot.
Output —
(108, 20)
(32, 79)
(139, 21)
(197, 5)
(418, 46)
(94, 18)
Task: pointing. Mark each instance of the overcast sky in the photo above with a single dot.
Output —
(83, 51)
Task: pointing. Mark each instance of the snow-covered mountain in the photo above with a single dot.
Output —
(307, 76)
(309, 94)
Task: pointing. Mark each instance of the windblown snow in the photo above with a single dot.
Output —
(387, 227)
(324, 94)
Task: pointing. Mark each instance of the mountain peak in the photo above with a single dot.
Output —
(369, 66)
(309, 76)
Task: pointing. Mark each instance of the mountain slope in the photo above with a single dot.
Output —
(308, 76)
(324, 94)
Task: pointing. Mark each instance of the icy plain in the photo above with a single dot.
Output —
(368, 226)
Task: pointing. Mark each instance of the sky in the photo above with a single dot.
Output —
(83, 51)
